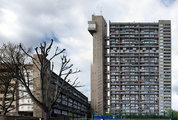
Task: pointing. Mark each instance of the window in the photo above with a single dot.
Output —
(92, 26)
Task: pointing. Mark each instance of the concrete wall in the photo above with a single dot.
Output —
(97, 76)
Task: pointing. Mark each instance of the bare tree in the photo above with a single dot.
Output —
(8, 81)
(8, 89)
(49, 89)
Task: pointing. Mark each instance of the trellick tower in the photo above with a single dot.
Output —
(131, 70)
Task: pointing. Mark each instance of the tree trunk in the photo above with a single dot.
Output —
(46, 116)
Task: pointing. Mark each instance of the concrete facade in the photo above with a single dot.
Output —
(131, 70)
(99, 27)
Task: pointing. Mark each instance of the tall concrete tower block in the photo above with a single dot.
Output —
(131, 70)
(98, 29)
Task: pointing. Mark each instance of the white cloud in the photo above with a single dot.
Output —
(9, 19)
(32, 21)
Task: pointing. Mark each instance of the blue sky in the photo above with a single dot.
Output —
(168, 2)
(33, 21)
